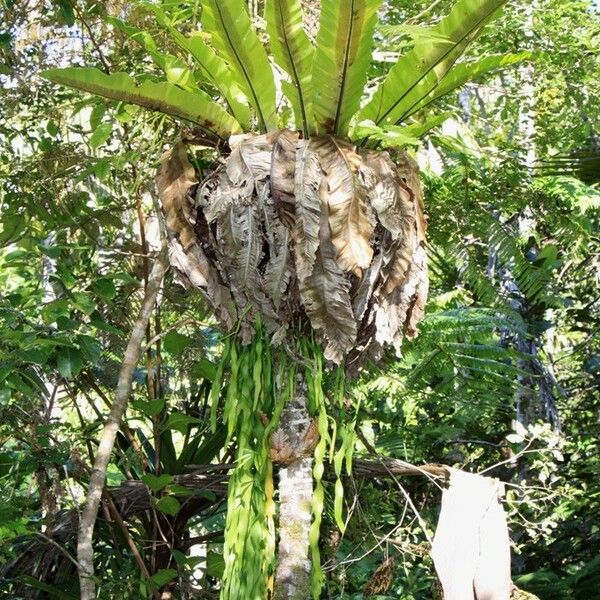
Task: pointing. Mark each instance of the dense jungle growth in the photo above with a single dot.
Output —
(300, 299)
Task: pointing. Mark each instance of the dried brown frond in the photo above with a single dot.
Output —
(303, 231)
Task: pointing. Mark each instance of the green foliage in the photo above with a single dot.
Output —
(212, 67)
(232, 33)
(165, 97)
(513, 257)
(341, 60)
(294, 53)
(326, 83)
(417, 74)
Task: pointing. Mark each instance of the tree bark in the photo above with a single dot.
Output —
(292, 578)
(85, 550)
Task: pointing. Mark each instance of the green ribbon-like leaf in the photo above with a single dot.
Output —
(342, 59)
(212, 67)
(419, 71)
(164, 97)
(294, 53)
(234, 38)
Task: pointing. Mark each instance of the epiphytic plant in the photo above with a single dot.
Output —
(306, 235)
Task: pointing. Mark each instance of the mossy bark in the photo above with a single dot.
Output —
(292, 578)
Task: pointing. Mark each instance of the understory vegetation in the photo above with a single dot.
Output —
(503, 378)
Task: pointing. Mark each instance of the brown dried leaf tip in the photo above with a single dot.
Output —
(382, 578)
(303, 231)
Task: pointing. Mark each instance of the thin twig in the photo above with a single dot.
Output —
(58, 546)
(92, 38)
(116, 515)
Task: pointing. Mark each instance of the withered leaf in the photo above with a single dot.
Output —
(342, 192)
(283, 168)
(289, 228)
(326, 299)
(307, 183)
(393, 203)
(174, 177)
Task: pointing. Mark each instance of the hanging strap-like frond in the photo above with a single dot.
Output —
(197, 107)
(236, 41)
(175, 69)
(421, 69)
(341, 61)
(294, 53)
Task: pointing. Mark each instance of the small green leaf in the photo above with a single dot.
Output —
(84, 303)
(90, 348)
(50, 251)
(12, 226)
(157, 482)
(176, 343)
(163, 576)
(179, 422)
(150, 408)
(211, 496)
(66, 10)
(125, 278)
(180, 557)
(66, 324)
(180, 490)
(5, 371)
(206, 369)
(96, 115)
(215, 564)
(168, 505)
(102, 325)
(16, 383)
(101, 135)
(101, 168)
(52, 128)
(104, 288)
(69, 362)
(37, 356)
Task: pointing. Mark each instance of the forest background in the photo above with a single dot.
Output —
(503, 378)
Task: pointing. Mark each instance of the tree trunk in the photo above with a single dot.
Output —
(292, 579)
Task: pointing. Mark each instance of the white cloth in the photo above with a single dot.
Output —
(471, 548)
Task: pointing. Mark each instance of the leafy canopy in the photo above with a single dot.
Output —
(323, 84)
